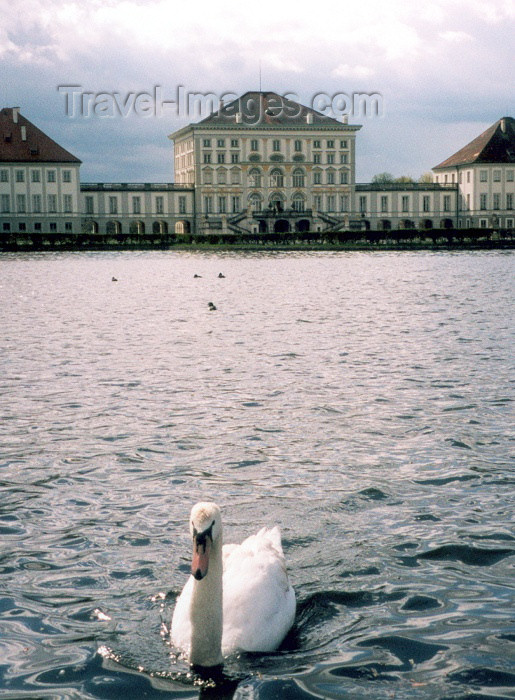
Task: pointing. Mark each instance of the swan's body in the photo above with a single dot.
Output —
(238, 597)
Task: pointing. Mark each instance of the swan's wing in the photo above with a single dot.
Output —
(181, 624)
(259, 602)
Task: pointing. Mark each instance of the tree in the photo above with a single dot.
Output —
(426, 178)
(383, 179)
(404, 179)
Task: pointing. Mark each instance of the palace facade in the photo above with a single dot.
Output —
(261, 163)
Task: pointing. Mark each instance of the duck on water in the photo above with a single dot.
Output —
(238, 597)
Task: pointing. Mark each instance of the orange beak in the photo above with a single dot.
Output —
(200, 560)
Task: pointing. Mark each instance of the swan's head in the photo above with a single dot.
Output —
(206, 529)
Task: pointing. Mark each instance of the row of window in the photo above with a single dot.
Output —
(483, 176)
(35, 175)
(37, 204)
(114, 205)
(385, 203)
(52, 226)
(276, 144)
(330, 158)
(276, 177)
(226, 205)
(496, 201)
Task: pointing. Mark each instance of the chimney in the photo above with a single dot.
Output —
(15, 114)
(23, 133)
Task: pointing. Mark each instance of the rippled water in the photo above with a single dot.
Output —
(364, 402)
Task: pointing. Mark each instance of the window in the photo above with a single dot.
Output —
(254, 145)
(5, 205)
(208, 177)
(22, 226)
(52, 203)
(460, 177)
(160, 205)
(235, 176)
(330, 144)
(317, 178)
(4, 176)
(298, 203)
(220, 158)
(276, 179)
(207, 157)
(255, 178)
(136, 205)
(220, 143)
(234, 143)
(468, 202)
(509, 176)
(331, 202)
(483, 176)
(317, 157)
(67, 175)
(344, 202)
(344, 177)
(53, 227)
(343, 144)
(208, 205)
(221, 176)
(426, 203)
(37, 226)
(317, 201)
(447, 202)
(362, 204)
(113, 205)
(235, 205)
(317, 144)
(222, 205)
(50, 176)
(89, 205)
(405, 203)
(468, 176)
(298, 178)
(330, 177)
(36, 203)
(384, 203)
(6, 227)
(497, 201)
(482, 201)
(509, 201)
(207, 143)
(35, 175)
(497, 176)
(235, 157)
(298, 146)
(68, 226)
(20, 176)
(483, 223)
(20, 203)
(330, 158)
(276, 145)
(255, 202)
(182, 204)
(343, 157)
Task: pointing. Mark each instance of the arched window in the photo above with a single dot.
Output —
(298, 202)
(255, 177)
(256, 202)
(276, 178)
(298, 177)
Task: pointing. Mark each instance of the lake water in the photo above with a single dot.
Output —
(362, 401)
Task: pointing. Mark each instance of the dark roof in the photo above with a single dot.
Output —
(36, 147)
(495, 145)
(267, 109)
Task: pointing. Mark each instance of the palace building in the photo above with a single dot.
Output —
(261, 163)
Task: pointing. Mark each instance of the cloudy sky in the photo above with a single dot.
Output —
(444, 72)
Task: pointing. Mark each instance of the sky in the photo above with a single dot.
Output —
(441, 73)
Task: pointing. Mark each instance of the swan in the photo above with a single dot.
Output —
(238, 597)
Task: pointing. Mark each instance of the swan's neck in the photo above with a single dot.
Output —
(206, 613)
